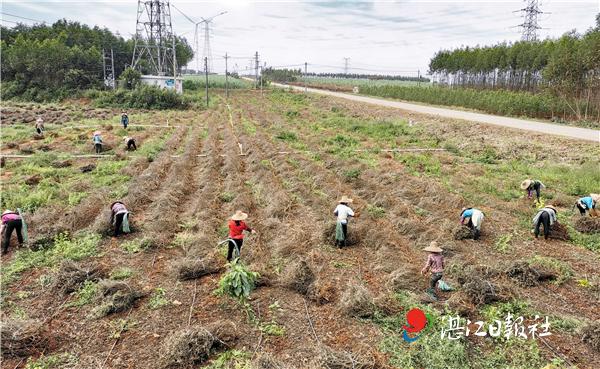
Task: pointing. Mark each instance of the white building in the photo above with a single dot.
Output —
(167, 82)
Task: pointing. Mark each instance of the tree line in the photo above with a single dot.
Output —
(292, 75)
(48, 62)
(567, 67)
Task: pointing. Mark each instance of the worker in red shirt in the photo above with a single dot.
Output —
(11, 221)
(237, 226)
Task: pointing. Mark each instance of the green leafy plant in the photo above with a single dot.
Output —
(158, 299)
(238, 282)
(502, 244)
(121, 273)
(227, 196)
(351, 174)
(375, 211)
(136, 245)
(85, 294)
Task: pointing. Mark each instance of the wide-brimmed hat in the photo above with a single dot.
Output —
(117, 202)
(345, 199)
(551, 207)
(525, 184)
(595, 197)
(433, 247)
(39, 119)
(96, 133)
(125, 138)
(7, 212)
(239, 215)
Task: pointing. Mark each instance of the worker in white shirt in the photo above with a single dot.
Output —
(342, 211)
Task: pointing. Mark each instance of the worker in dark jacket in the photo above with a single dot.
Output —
(119, 218)
(237, 226)
(531, 185)
(130, 142)
(545, 217)
(97, 139)
(11, 221)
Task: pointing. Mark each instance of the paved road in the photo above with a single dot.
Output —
(529, 125)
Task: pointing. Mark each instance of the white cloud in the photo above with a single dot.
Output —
(382, 35)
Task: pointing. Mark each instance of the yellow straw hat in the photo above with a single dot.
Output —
(239, 215)
(433, 247)
(345, 199)
(525, 184)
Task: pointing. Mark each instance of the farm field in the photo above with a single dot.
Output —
(314, 306)
(215, 81)
(346, 84)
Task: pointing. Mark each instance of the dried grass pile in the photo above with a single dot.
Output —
(187, 347)
(114, 297)
(266, 361)
(357, 301)
(62, 164)
(71, 275)
(462, 233)
(559, 232)
(87, 168)
(527, 276)
(587, 225)
(590, 334)
(298, 277)
(329, 358)
(33, 180)
(189, 268)
(323, 291)
(403, 279)
(193, 345)
(479, 286)
(20, 338)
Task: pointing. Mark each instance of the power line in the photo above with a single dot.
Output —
(530, 24)
(18, 16)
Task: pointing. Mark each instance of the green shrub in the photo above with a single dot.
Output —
(352, 173)
(136, 245)
(121, 273)
(287, 136)
(143, 97)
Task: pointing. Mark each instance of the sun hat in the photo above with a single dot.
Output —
(96, 133)
(552, 207)
(7, 212)
(345, 199)
(595, 197)
(433, 247)
(117, 202)
(525, 184)
(239, 215)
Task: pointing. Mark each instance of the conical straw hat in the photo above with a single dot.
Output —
(239, 215)
(433, 247)
(345, 199)
(525, 184)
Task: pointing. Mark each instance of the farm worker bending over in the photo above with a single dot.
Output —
(435, 264)
(11, 221)
(587, 204)
(97, 142)
(130, 142)
(343, 212)
(124, 120)
(237, 226)
(39, 125)
(472, 218)
(119, 217)
(530, 185)
(546, 216)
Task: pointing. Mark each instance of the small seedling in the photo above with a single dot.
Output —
(158, 299)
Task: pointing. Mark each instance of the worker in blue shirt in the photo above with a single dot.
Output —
(472, 218)
(587, 204)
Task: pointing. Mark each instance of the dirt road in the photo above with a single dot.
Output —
(529, 125)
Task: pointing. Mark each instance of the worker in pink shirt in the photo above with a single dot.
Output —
(11, 221)
(435, 264)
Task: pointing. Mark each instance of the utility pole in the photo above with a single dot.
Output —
(261, 81)
(419, 77)
(226, 78)
(112, 64)
(346, 65)
(305, 75)
(256, 70)
(206, 75)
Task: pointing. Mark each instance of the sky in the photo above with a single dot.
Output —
(378, 37)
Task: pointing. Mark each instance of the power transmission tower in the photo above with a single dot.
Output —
(206, 76)
(108, 63)
(154, 38)
(530, 24)
(346, 65)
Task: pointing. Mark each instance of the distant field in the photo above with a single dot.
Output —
(192, 82)
(351, 82)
